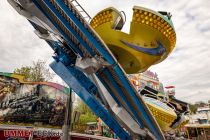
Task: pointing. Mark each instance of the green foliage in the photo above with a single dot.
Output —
(38, 72)
(82, 107)
(85, 118)
(193, 108)
(86, 114)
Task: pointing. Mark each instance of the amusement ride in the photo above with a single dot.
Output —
(94, 57)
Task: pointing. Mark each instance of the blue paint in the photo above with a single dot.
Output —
(84, 30)
(68, 27)
(66, 38)
(160, 50)
(146, 118)
(109, 90)
(120, 92)
(85, 89)
(60, 54)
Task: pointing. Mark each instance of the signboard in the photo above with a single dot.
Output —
(30, 134)
(31, 103)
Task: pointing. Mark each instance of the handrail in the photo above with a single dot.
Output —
(119, 21)
(83, 10)
(171, 106)
(150, 95)
(123, 16)
(156, 97)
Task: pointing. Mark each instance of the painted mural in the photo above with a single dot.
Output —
(37, 103)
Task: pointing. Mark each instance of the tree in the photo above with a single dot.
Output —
(193, 108)
(38, 72)
(86, 114)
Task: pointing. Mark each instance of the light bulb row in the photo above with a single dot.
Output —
(161, 116)
(103, 17)
(156, 22)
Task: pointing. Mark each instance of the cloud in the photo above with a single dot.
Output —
(18, 43)
(187, 68)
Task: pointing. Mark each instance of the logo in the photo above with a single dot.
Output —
(18, 133)
(151, 51)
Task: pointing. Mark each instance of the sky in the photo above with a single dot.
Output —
(187, 68)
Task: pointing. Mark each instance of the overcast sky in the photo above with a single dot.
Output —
(187, 68)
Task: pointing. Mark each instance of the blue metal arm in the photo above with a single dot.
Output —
(85, 89)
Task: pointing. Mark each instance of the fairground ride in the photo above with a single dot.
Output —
(93, 56)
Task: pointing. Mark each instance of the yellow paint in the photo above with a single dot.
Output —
(22, 80)
(19, 77)
(147, 27)
(164, 117)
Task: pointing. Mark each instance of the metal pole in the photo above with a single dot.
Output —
(67, 122)
(204, 132)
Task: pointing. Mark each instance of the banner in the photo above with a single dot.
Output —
(31, 103)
